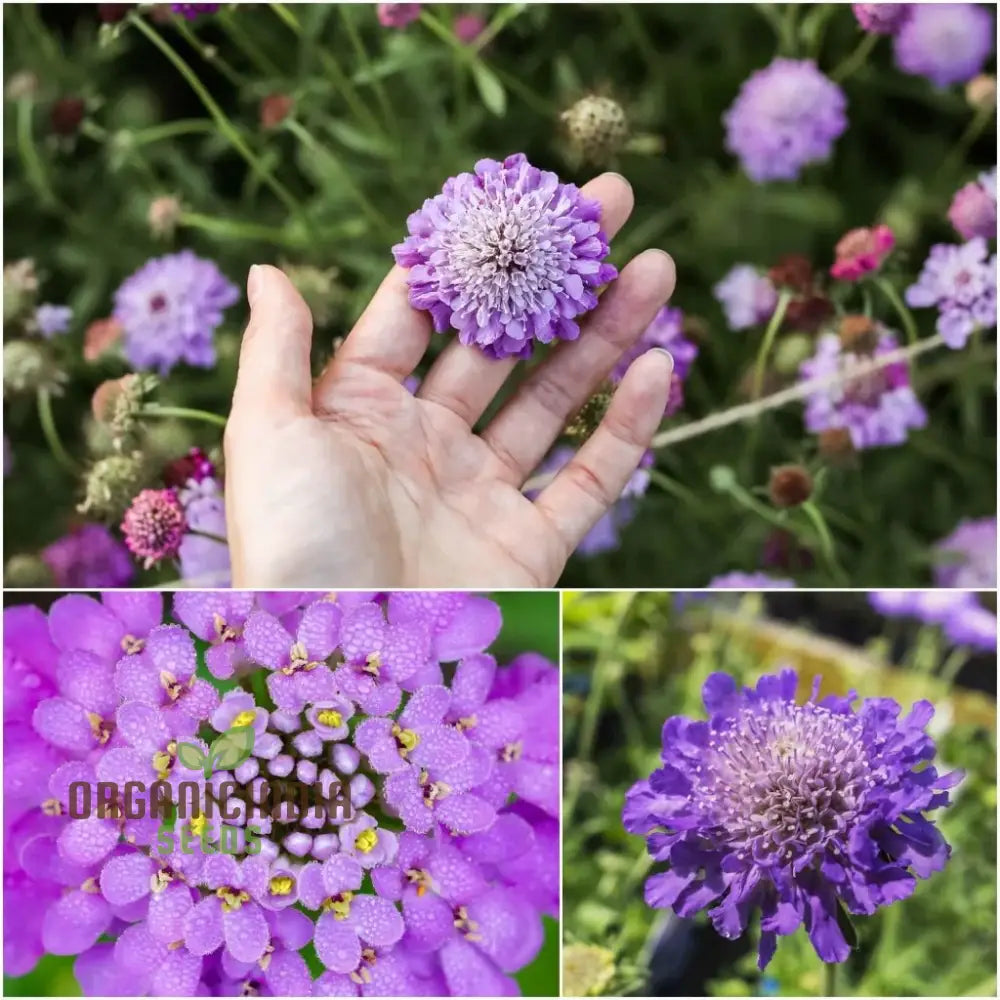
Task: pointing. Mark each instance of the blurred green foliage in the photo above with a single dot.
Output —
(381, 117)
(632, 660)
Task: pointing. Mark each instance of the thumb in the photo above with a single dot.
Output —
(274, 370)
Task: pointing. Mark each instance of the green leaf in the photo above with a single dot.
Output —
(190, 756)
(490, 88)
(232, 748)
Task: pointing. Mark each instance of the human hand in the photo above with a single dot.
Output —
(355, 482)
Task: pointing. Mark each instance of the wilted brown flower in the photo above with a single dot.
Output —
(790, 485)
(274, 109)
(66, 115)
(858, 333)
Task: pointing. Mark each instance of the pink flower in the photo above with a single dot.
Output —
(973, 210)
(861, 251)
(397, 15)
(468, 27)
(154, 526)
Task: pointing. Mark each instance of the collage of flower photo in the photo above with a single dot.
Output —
(499, 499)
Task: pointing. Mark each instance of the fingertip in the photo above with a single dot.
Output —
(617, 200)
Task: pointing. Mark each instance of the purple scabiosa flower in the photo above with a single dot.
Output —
(154, 526)
(397, 15)
(968, 556)
(738, 580)
(169, 310)
(785, 117)
(973, 210)
(946, 42)
(51, 320)
(881, 18)
(962, 282)
(666, 332)
(89, 556)
(747, 296)
(192, 11)
(877, 408)
(105, 692)
(801, 810)
(506, 255)
(958, 613)
(203, 552)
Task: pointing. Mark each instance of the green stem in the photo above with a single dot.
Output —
(247, 46)
(48, 423)
(209, 54)
(362, 53)
(226, 127)
(829, 979)
(768, 342)
(905, 316)
(952, 667)
(237, 230)
(33, 168)
(961, 148)
(500, 21)
(827, 546)
(184, 412)
(170, 130)
(856, 59)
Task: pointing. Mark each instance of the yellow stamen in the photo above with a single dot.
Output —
(132, 645)
(52, 807)
(373, 664)
(163, 760)
(170, 684)
(282, 885)
(339, 905)
(406, 739)
(366, 841)
(90, 885)
(100, 728)
(511, 752)
(232, 899)
(244, 718)
(469, 722)
(198, 824)
(329, 717)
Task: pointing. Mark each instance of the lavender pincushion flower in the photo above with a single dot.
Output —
(878, 408)
(946, 42)
(747, 296)
(102, 691)
(800, 810)
(881, 18)
(962, 282)
(973, 210)
(51, 320)
(969, 556)
(506, 255)
(785, 116)
(89, 556)
(169, 310)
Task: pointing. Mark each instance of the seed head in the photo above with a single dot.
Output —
(597, 128)
(163, 215)
(981, 91)
(30, 367)
(111, 483)
(20, 285)
(321, 289)
(790, 485)
(590, 414)
(858, 333)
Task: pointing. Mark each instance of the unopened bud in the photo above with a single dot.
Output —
(790, 486)
(27, 570)
(597, 128)
(981, 91)
(587, 969)
(163, 215)
(21, 85)
(836, 445)
(101, 336)
(66, 115)
(274, 109)
(320, 288)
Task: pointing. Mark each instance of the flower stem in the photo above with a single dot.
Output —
(208, 53)
(856, 59)
(183, 412)
(815, 515)
(48, 423)
(904, 314)
(829, 979)
(237, 230)
(30, 160)
(347, 18)
(768, 342)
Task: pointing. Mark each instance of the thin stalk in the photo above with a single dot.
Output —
(247, 46)
(209, 54)
(958, 152)
(362, 53)
(829, 979)
(856, 59)
(904, 314)
(826, 543)
(952, 667)
(51, 433)
(171, 130)
(184, 413)
(508, 15)
(226, 127)
(34, 170)
(238, 230)
(768, 341)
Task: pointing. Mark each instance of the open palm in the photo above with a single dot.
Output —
(355, 482)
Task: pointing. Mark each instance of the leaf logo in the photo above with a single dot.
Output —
(228, 751)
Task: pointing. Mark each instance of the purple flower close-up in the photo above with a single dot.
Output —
(204, 552)
(945, 42)
(798, 810)
(973, 210)
(881, 18)
(968, 556)
(739, 580)
(785, 117)
(507, 256)
(958, 613)
(746, 295)
(89, 556)
(962, 282)
(421, 864)
(169, 311)
(52, 320)
(397, 15)
(877, 408)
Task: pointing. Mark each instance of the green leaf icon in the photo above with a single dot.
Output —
(190, 756)
(231, 748)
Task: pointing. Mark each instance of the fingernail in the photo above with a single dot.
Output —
(667, 355)
(253, 283)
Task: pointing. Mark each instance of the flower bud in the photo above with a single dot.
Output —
(100, 336)
(163, 215)
(111, 483)
(790, 485)
(118, 402)
(858, 333)
(274, 109)
(29, 367)
(597, 128)
(27, 570)
(66, 115)
(981, 91)
(21, 85)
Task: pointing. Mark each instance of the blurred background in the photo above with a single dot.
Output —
(530, 624)
(632, 660)
(305, 134)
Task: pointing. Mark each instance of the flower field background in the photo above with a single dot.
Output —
(305, 136)
(632, 661)
(530, 624)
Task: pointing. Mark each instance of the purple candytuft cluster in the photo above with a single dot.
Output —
(876, 407)
(666, 332)
(507, 255)
(973, 210)
(169, 310)
(946, 42)
(958, 613)
(962, 282)
(881, 18)
(969, 556)
(786, 116)
(88, 556)
(423, 867)
(799, 810)
(747, 296)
